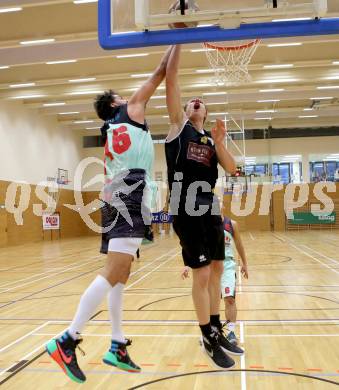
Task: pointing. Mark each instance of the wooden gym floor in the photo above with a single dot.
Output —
(288, 316)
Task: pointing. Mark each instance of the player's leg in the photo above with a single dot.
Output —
(228, 286)
(117, 272)
(62, 350)
(216, 246)
(231, 317)
(191, 233)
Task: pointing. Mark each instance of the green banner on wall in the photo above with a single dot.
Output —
(307, 218)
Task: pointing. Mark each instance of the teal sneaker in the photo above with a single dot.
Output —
(117, 356)
(232, 338)
(62, 351)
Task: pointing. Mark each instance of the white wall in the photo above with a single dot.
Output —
(33, 146)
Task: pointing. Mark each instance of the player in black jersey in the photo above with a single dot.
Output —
(192, 156)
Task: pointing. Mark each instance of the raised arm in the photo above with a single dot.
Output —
(137, 103)
(240, 248)
(173, 95)
(225, 158)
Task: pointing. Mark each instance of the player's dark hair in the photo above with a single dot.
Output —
(102, 105)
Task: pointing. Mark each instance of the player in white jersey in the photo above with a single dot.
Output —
(228, 278)
(128, 165)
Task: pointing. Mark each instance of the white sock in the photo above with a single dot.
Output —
(231, 326)
(114, 299)
(89, 302)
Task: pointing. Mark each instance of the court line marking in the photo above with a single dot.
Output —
(56, 335)
(320, 254)
(53, 275)
(241, 338)
(334, 321)
(309, 255)
(242, 358)
(33, 332)
(42, 273)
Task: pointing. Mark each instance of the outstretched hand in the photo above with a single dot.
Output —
(219, 132)
(244, 271)
(185, 273)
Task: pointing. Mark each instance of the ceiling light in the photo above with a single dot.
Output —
(133, 55)
(332, 78)
(85, 93)
(322, 98)
(160, 107)
(262, 119)
(264, 111)
(201, 85)
(335, 62)
(12, 9)
(209, 70)
(158, 97)
(308, 116)
(139, 75)
(308, 109)
(93, 128)
(268, 101)
(205, 25)
(22, 85)
(292, 156)
(27, 97)
(37, 41)
(277, 66)
(329, 87)
(219, 113)
(165, 116)
(82, 80)
(69, 113)
(201, 50)
(123, 32)
(271, 81)
(291, 20)
(84, 1)
(284, 44)
(84, 121)
(272, 90)
(60, 62)
(215, 103)
(4, 67)
(214, 93)
(54, 104)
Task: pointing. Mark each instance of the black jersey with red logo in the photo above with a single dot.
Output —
(191, 158)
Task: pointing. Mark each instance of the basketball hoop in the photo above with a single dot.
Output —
(230, 62)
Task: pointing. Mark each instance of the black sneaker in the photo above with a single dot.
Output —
(226, 345)
(117, 356)
(62, 351)
(215, 352)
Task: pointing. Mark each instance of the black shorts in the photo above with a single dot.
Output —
(126, 215)
(201, 239)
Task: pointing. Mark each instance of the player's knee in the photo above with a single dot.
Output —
(230, 301)
(217, 268)
(201, 277)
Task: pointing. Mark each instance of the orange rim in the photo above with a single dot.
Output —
(229, 48)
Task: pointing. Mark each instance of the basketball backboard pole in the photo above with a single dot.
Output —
(113, 41)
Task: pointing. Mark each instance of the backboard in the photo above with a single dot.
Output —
(140, 23)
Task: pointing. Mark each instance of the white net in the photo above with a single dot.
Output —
(230, 62)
